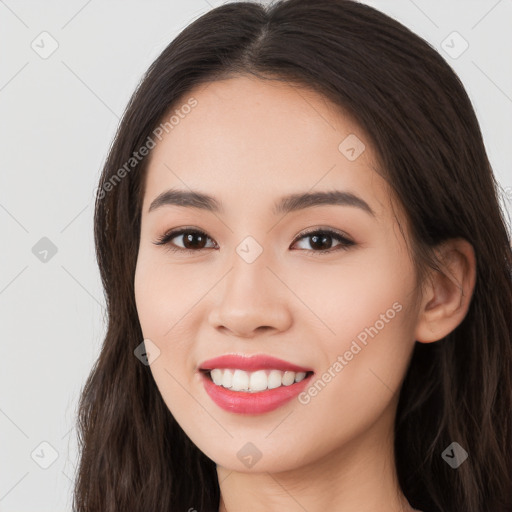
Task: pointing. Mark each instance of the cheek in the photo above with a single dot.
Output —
(163, 295)
(363, 369)
(367, 306)
(164, 298)
(353, 293)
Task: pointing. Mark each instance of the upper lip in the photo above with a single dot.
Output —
(251, 363)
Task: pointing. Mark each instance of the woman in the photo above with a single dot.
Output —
(308, 278)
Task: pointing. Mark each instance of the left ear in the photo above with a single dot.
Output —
(447, 294)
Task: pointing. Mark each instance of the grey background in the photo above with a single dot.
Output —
(58, 116)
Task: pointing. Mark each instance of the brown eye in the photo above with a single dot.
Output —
(192, 240)
(321, 241)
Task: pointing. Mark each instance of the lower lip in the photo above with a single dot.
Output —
(242, 402)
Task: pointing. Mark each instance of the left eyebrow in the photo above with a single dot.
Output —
(289, 203)
(294, 202)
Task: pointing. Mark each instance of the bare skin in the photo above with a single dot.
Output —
(248, 143)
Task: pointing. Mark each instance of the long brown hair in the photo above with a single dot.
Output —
(412, 105)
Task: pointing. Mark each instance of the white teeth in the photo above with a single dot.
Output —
(275, 379)
(227, 378)
(240, 380)
(288, 378)
(300, 376)
(258, 381)
(216, 376)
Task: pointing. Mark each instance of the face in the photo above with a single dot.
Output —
(310, 299)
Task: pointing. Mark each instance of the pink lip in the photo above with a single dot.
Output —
(242, 402)
(251, 363)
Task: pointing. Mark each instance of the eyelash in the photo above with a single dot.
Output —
(345, 242)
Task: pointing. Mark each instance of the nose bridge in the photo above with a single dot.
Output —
(250, 297)
(248, 281)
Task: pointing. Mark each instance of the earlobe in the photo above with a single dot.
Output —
(447, 295)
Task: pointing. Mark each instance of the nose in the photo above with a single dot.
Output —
(251, 300)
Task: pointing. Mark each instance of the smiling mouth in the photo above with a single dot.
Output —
(254, 381)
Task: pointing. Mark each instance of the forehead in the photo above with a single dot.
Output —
(252, 137)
